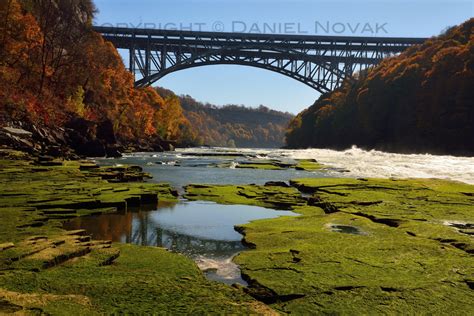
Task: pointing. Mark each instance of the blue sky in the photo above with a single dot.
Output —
(252, 86)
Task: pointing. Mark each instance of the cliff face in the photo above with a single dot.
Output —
(419, 101)
(58, 77)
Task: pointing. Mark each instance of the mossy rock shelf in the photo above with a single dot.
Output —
(46, 270)
(359, 246)
(404, 246)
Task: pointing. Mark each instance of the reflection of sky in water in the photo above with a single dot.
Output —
(195, 228)
(204, 231)
(209, 220)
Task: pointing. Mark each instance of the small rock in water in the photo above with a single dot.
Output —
(277, 184)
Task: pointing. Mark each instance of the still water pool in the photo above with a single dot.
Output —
(203, 231)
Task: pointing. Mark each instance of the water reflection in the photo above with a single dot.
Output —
(201, 230)
(346, 229)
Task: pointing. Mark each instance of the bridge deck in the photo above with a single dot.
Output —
(288, 38)
(320, 61)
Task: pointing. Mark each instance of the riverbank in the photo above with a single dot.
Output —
(365, 245)
(45, 269)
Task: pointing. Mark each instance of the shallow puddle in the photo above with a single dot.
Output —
(345, 229)
(203, 231)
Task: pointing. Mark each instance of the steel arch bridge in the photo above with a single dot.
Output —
(321, 62)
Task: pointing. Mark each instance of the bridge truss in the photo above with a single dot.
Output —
(321, 62)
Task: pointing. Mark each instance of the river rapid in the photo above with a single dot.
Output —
(377, 164)
(354, 162)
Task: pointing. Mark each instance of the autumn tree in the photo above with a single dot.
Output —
(419, 101)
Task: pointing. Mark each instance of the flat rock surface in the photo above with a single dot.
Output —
(373, 246)
(46, 270)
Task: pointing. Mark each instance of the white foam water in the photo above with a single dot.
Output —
(373, 163)
(361, 163)
(385, 165)
(223, 267)
(378, 164)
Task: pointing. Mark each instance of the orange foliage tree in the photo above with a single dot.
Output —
(419, 101)
(54, 68)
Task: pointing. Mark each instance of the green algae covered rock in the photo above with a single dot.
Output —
(271, 196)
(142, 280)
(309, 165)
(261, 165)
(46, 270)
(360, 246)
(274, 164)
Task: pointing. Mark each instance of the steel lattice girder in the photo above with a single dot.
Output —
(322, 62)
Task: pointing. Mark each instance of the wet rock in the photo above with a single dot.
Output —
(309, 165)
(78, 232)
(215, 154)
(118, 174)
(277, 184)
(282, 198)
(110, 256)
(392, 222)
(267, 295)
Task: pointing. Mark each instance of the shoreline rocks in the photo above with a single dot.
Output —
(79, 138)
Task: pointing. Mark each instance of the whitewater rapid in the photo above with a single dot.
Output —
(385, 165)
(377, 164)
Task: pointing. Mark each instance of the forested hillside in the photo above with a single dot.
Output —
(233, 125)
(419, 101)
(64, 84)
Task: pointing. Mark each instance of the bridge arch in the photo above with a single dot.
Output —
(318, 75)
(322, 62)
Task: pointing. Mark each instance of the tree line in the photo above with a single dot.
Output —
(419, 101)
(232, 125)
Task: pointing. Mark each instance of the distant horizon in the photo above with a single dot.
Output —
(222, 85)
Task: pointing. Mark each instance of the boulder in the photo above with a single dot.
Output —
(93, 139)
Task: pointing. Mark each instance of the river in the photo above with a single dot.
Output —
(204, 231)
